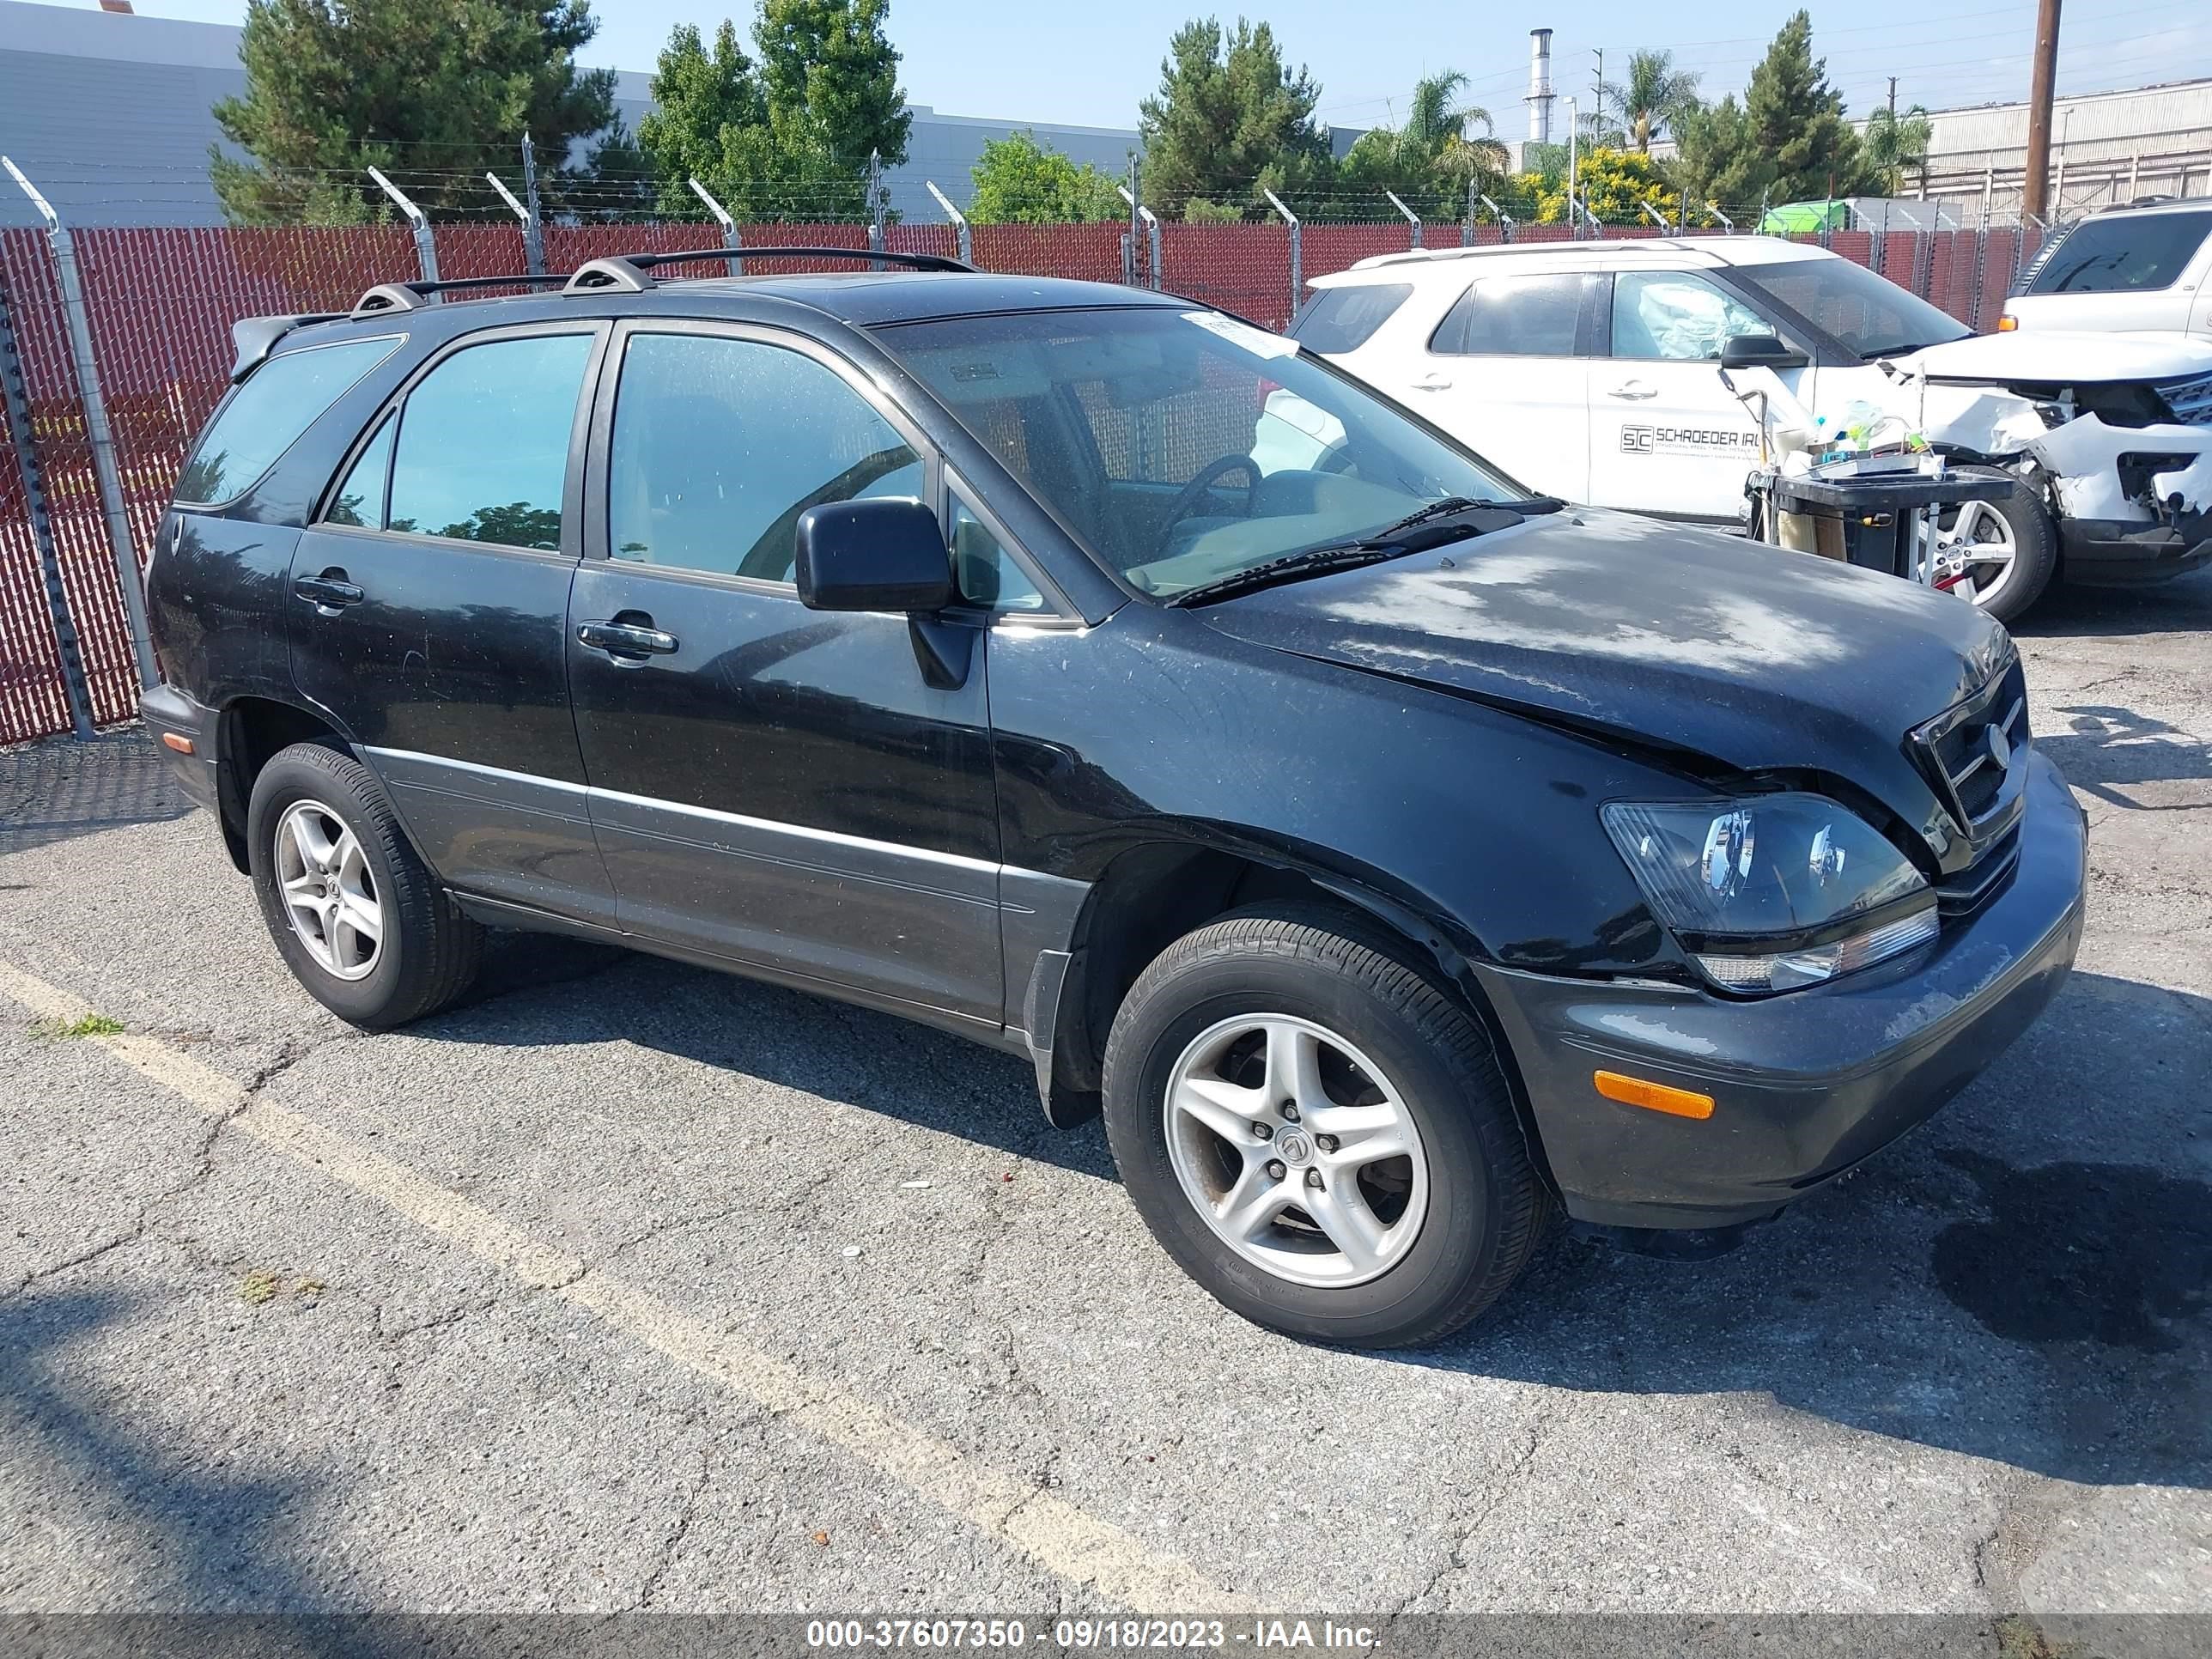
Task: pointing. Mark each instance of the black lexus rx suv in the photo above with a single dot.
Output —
(1394, 854)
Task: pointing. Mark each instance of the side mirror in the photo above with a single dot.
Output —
(1760, 351)
(876, 555)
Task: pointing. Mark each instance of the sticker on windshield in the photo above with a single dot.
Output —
(1257, 341)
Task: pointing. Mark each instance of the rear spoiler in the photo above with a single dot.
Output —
(255, 337)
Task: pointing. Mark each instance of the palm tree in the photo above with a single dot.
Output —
(1897, 140)
(1653, 95)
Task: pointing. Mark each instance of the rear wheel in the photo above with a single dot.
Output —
(358, 918)
(1317, 1133)
(1998, 554)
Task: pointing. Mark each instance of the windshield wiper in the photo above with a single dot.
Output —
(1291, 567)
(1416, 532)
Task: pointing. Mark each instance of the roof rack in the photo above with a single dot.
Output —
(1437, 255)
(413, 296)
(632, 273)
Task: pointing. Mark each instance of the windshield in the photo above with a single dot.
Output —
(1870, 314)
(2123, 256)
(1183, 447)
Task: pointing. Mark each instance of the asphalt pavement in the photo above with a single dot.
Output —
(629, 1285)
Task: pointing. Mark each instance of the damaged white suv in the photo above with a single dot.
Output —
(1589, 370)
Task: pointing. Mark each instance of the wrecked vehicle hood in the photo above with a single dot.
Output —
(1659, 634)
(2060, 357)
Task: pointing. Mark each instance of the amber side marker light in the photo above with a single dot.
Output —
(2006, 325)
(1657, 1096)
(182, 745)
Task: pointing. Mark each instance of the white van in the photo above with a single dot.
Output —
(1589, 370)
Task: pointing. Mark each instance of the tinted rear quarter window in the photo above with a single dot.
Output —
(2129, 255)
(1344, 318)
(1513, 317)
(266, 415)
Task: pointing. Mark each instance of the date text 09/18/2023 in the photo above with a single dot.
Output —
(1090, 1635)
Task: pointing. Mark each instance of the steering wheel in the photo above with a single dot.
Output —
(1187, 498)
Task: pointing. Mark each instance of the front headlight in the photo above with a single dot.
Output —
(1772, 892)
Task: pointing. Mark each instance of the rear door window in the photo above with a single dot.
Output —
(1344, 318)
(483, 451)
(266, 415)
(1514, 317)
(2123, 255)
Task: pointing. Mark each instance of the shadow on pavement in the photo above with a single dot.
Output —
(2107, 748)
(2183, 605)
(2025, 1279)
(213, 1537)
(60, 788)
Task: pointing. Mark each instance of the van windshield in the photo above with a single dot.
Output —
(1184, 447)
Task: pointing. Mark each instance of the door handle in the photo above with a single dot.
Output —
(626, 642)
(329, 593)
(1633, 390)
(1433, 383)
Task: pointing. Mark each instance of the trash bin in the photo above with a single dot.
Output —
(1878, 519)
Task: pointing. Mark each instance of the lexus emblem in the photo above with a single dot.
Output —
(2000, 747)
(1293, 1146)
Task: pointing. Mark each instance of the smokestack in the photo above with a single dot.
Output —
(1539, 86)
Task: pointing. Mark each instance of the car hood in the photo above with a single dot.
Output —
(2060, 354)
(1657, 636)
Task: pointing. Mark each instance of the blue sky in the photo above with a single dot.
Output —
(1027, 61)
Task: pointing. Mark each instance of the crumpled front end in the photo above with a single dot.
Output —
(2126, 468)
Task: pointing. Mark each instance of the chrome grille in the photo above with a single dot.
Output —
(1975, 754)
(2190, 399)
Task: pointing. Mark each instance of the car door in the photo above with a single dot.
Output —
(803, 792)
(1506, 373)
(429, 607)
(1666, 436)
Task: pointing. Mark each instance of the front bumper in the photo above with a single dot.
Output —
(1807, 1083)
(168, 712)
(2129, 552)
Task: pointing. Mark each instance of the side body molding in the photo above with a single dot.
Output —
(524, 841)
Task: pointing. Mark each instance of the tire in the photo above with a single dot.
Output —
(2026, 523)
(1383, 1032)
(426, 953)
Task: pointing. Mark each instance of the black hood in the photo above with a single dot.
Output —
(1659, 634)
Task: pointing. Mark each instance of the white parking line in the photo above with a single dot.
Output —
(1052, 1532)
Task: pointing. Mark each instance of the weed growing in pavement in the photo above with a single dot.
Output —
(92, 1025)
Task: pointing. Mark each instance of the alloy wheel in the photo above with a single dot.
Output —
(329, 891)
(1296, 1149)
(1974, 552)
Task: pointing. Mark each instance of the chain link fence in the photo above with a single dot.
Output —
(160, 302)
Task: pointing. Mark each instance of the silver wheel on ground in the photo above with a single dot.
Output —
(329, 891)
(1975, 551)
(1296, 1151)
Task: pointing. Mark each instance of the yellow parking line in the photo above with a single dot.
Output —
(1056, 1534)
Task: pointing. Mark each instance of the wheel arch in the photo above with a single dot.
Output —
(250, 731)
(1151, 894)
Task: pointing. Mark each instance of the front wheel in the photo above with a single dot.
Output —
(2000, 554)
(1317, 1133)
(358, 918)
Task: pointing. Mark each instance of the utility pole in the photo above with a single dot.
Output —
(1893, 100)
(2034, 194)
(1597, 97)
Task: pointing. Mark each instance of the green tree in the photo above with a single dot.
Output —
(705, 104)
(1229, 120)
(1896, 142)
(1430, 160)
(1019, 181)
(787, 135)
(1787, 142)
(437, 91)
(1653, 95)
(832, 74)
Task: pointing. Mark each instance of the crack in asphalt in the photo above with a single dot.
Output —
(1454, 1553)
(673, 1544)
(290, 1052)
